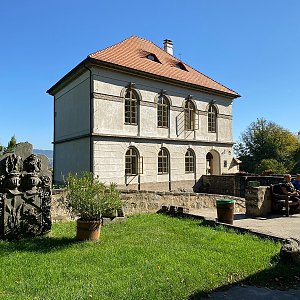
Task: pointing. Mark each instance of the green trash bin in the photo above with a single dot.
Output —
(225, 210)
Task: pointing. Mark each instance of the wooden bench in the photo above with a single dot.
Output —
(279, 201)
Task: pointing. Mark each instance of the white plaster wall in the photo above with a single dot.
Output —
(224, 129)
(109, 160)
(72, 109)
(109, 115)
(72, 156)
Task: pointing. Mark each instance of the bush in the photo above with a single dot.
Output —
(90, 199)
(271, 166)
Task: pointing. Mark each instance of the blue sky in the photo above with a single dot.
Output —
(250, 46)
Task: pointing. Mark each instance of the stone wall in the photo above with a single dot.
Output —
(149, 201)
(58, 210)
(219, 184)
(258, 201)
(234, 184)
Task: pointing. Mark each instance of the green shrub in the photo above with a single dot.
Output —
(90, 199)
(271, 166)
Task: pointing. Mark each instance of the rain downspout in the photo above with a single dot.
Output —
(91, 122)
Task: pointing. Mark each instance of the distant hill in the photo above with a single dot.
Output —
(48, 153)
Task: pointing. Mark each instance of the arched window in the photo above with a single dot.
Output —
(131, 107)
(131, 161)
(212, 118)
(163, 161)
(163, 112)
(189, 161)
(189, 115)
(209, 164)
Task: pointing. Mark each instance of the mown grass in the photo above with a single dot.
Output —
(148, 257)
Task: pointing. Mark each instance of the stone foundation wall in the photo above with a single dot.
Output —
(149, 201)
(176, 186)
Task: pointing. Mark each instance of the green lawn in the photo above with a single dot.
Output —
(148, 257)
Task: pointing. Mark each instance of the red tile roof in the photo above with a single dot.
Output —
(132, 53)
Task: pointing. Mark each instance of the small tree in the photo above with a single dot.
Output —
(11, 146)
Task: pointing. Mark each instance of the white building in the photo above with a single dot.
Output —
(135, 115)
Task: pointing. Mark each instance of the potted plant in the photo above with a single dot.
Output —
(89, 200)
(111, 202)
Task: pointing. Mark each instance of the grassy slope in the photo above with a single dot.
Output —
(148, 257)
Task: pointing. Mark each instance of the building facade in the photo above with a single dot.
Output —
(135, 115)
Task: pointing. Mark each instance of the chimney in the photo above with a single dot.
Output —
(168, 46)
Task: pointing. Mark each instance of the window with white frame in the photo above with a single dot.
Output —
(131, 107)
(163, 161)
(163, 107)
(189, 115)
(212, 118)
(131, 161)
(189, 161)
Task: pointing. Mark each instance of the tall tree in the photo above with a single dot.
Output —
(265, 140)
(296, 168)
(11, 146)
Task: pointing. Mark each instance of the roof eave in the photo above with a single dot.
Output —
(75, 72)
(80, 68)
(109, 65)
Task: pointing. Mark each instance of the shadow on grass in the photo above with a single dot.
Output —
(281, 276)
(38, 244)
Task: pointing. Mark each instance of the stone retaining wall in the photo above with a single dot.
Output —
(149, 201)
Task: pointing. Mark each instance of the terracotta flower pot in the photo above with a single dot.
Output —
(88, 230)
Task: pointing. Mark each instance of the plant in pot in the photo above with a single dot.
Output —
(110, 202)
(88, 199)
